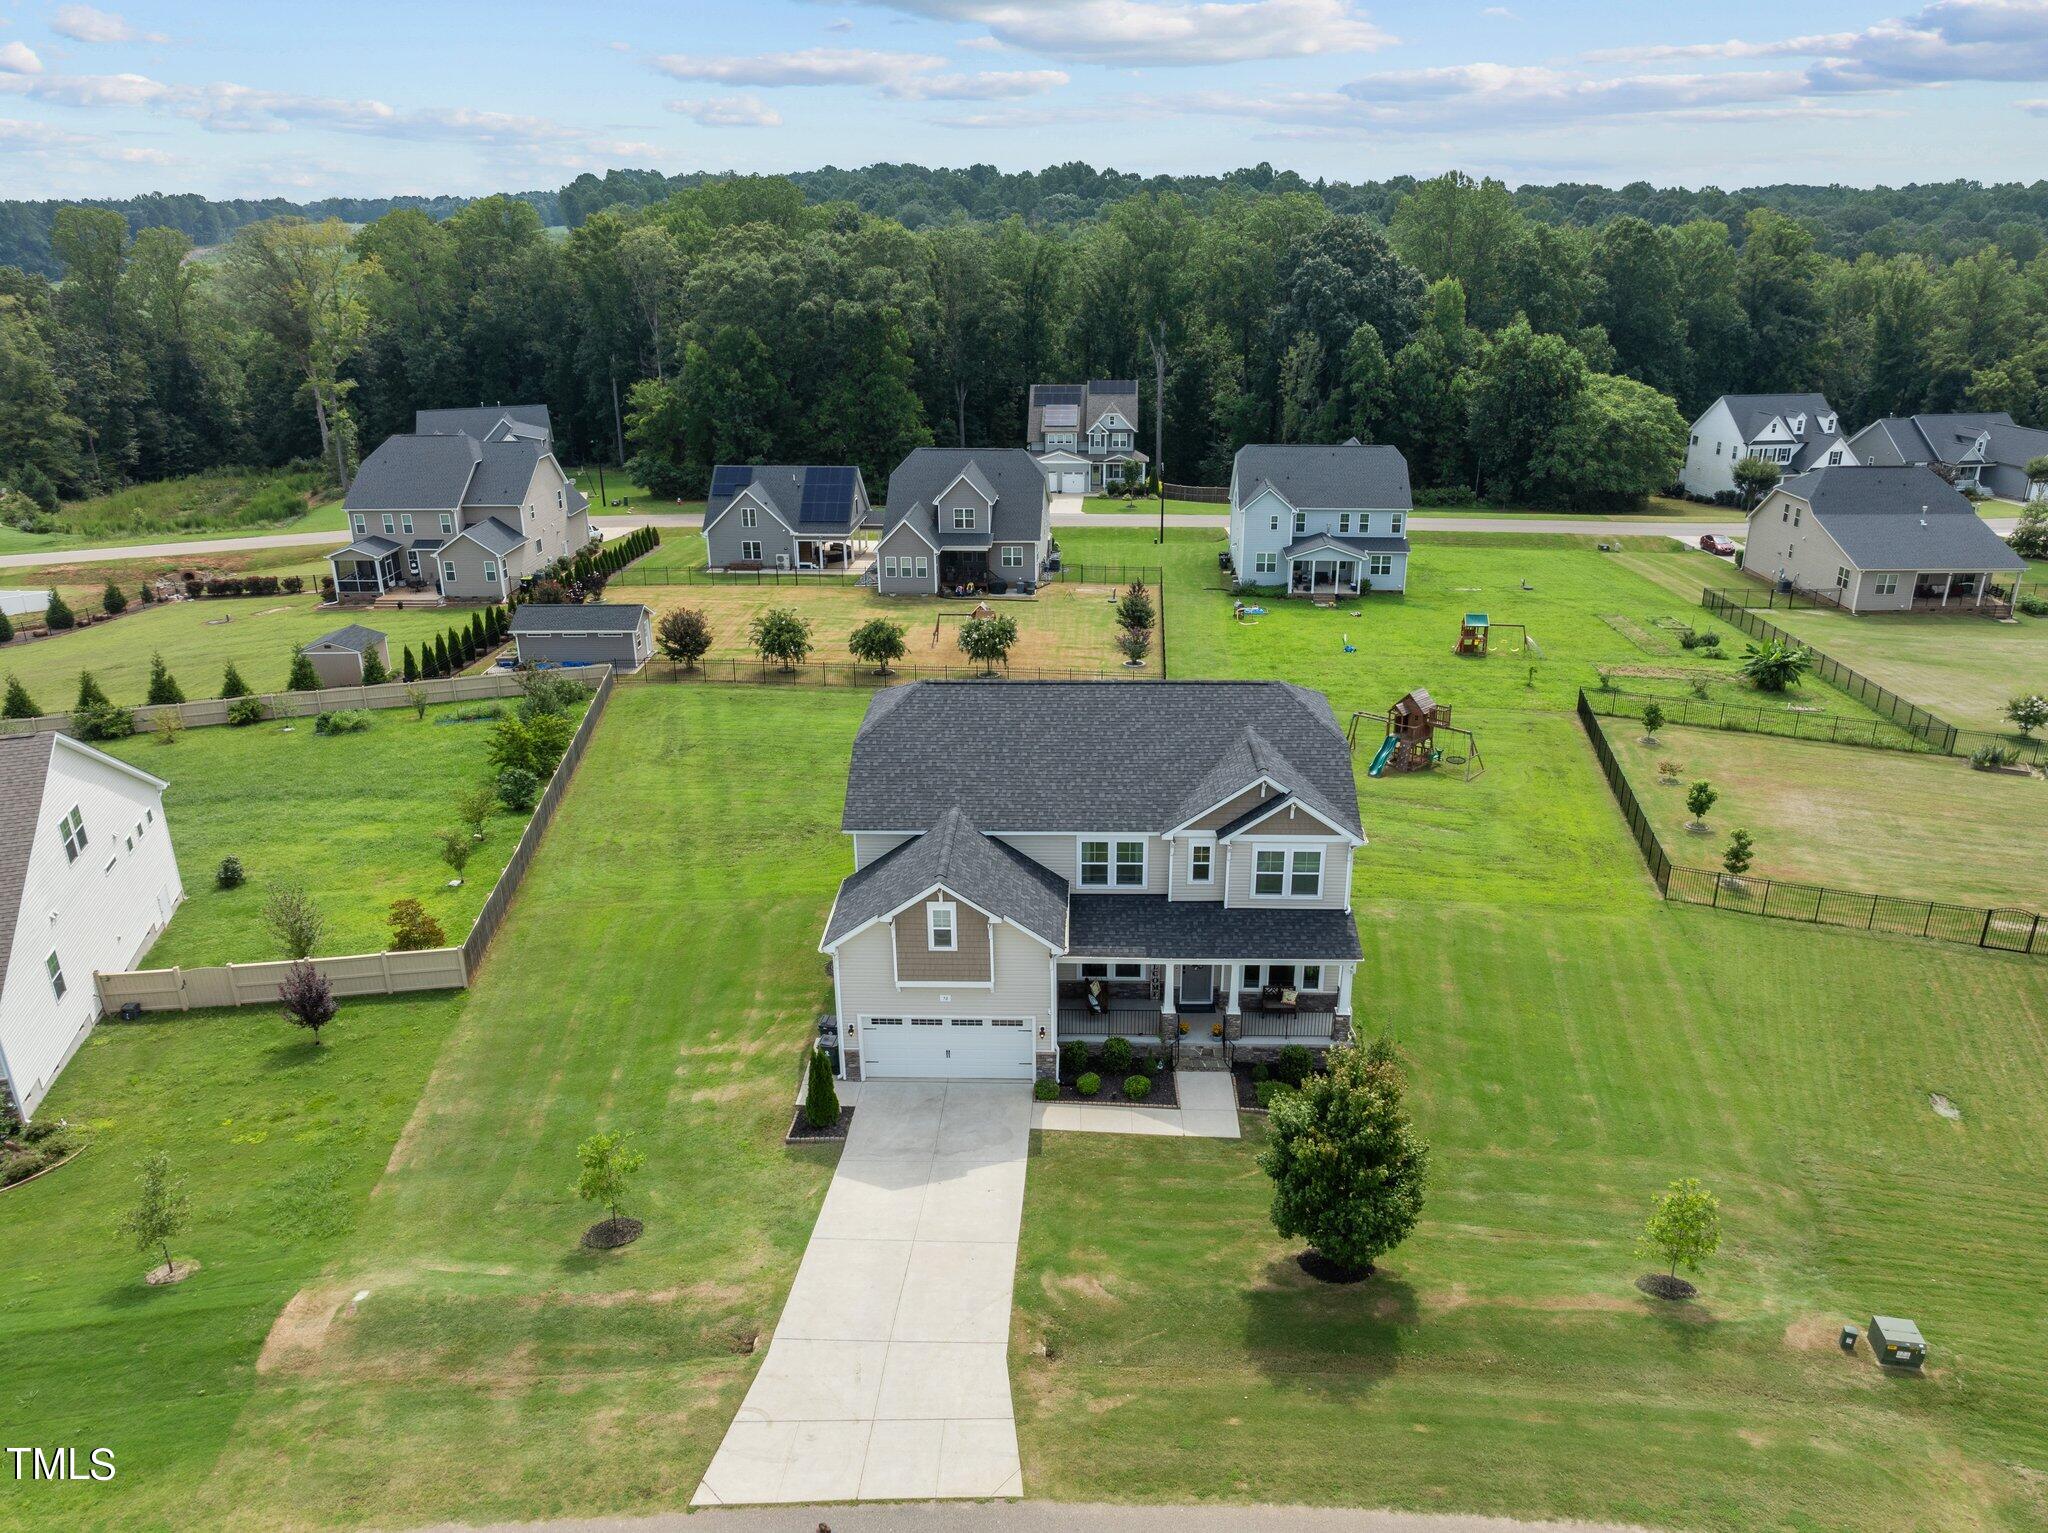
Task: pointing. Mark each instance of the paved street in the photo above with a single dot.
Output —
(888, 1377)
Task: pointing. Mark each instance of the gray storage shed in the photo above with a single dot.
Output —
(338, 657)
(587, 633)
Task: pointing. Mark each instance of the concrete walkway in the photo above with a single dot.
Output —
(1207, 1110)
(888, 1376)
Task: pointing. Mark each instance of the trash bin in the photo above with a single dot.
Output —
(828, 1040)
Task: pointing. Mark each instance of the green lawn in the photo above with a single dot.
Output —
(620, 486)
(355, 818)
(84, 579)
(220, 503)
(1657, 509)
(1109, 505)
(197, 640)
(1918, 826)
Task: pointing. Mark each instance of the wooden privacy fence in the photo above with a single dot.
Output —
(2006, 929)
(360, 974)
(1214, 495)
(206, 711)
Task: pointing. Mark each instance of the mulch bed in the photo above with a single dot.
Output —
(801, 1132)
(1662, 1285)
(610, 1234)
(1162, 1094)
(1247, 1088)
(1323, 1270)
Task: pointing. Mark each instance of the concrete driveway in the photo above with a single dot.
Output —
(888, 1378)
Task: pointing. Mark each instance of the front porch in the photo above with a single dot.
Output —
(1245, 1004)
(367, 569)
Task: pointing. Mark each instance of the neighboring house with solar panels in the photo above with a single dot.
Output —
(784, 516)
(1084, 435)
(1986, 451)
(1320, 521)
(87, 881)
(1795, 431)
(467, 505)
(959, 517)
(1040, 861)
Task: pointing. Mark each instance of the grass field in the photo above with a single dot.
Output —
(1923, 827)
(1574, 1044)
(197, 639)
(1065, 627)
(83, 579)
(1657, 509)
(633, 498)
(355, 818)
(221, 503)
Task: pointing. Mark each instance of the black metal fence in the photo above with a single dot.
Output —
(846, 673)
(1757, 719)
(2006, 929)
(641, 574)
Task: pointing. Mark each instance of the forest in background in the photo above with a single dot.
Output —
(1540, 346)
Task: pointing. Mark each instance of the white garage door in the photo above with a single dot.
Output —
(946, 1048)
(1074, 482)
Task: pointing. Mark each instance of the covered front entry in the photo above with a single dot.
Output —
(369, 567)
(947, 1048)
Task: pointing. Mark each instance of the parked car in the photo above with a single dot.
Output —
(1714, 543)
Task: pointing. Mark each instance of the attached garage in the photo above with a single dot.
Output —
(947, 1048)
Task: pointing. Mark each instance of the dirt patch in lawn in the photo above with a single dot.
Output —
(1078, 1285)
(299, 1333)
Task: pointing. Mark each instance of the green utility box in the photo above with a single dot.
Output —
(1897, 1343)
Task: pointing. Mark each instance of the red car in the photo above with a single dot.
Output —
(1714, 543)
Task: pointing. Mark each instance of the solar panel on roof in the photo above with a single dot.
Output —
(828, 495)
(1059, 393)
(730, 481)
(1112, 385)
(1062, 415)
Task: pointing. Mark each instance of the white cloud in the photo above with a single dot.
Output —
(1163, 32)
(2037, 108)
(1500, 13)
(729, 112)
(841, 25)
(89, 24)
(989, 85)
(19, 59)
(810, 66)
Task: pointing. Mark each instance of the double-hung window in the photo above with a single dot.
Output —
(1343, 521)
(888, 566)
(447, 522)
(387, 521)
(1278, 874)
(924, 568)
(963, 518)
(405, 524)
(1267, 563)
(448, 571)
(1842, 577)
(1013, 557)
(1399, 520)
(1113, 864)
(1201, 863)
(747, 516)
(941, 934)
(750, 549)
(490, 573)
(73, 827)
(56, 972)
(362, 525)
(1273, 522)
(1300, 523)
(1888, 583)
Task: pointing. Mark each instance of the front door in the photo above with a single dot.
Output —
(1198, 987)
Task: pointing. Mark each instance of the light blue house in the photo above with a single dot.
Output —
(1320, 521)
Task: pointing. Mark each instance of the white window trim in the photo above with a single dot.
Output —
(1379, 564)
(1288, 870)
(490, 572)
(888, 566)
(53, 966)
(1113, 842)
(924, 568)
(363, 525)
(951, 924)
(448, 570)
(447, 522)
(750, 543)
(1012, 557)
(387, 521)
(1266, 563)
(963, 519)
(748, 518)
(72, 827)
(1205, 873)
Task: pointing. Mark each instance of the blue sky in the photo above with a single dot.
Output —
(234, 98)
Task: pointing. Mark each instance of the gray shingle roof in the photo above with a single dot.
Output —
(1083, 755)
(1348, 543)
(504, 474)
(1901, 519)
(1948, 439)
(375, 546)
(1023, 505)
(492, 536)
(1245, 757)
(1753, 412)
(25, 769)
(572, 617)
(1152, 926)
(781, 485)
(481, 420)
(415, 473)
(954, 855)
(1317, 478)
(354, 637)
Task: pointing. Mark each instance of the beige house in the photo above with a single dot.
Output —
(1168, 862)
(467, 506)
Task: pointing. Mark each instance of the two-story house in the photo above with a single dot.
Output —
(87, 881)
(963, 519)
(1795, 431)
(1084, 435)
(468, 505)
(1169, 862)
(1320, 521)
(783, 516)
(1985, 451)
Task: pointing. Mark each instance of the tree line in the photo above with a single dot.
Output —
(740, 320)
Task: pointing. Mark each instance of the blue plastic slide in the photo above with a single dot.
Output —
(1380, 759)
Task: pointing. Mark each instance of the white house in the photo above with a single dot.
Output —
(87, 880)
(1320, 521)
(1795, 431)
(1881, 540)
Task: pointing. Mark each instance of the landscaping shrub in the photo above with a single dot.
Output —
(2033, 606)
(59, 616)
(293, 584)
(6, 629)
(303, 677)
(1266, 1091)
(1073, 1057)
(90, 693)
(231, 683)
(518, 789)
(1988, 758)
(342, 721)
(1046, 1091)
(245, 710)
(1088, 1084)
(19, 705)
(163, 686)
(1294, 1064)
(1116, 1056)
(1137, 1087)
(229, 874)
(112, 601)
(1261, 1072)
(821, 1099)
(102, 721)
(412, 929)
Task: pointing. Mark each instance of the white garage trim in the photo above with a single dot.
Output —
(948, 1048)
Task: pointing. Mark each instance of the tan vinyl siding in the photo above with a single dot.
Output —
(868, 845)
(1291, 821)
(1183, 856)
(1244, 803)
(1052, 851)
(915, 960)
(1023, 982)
